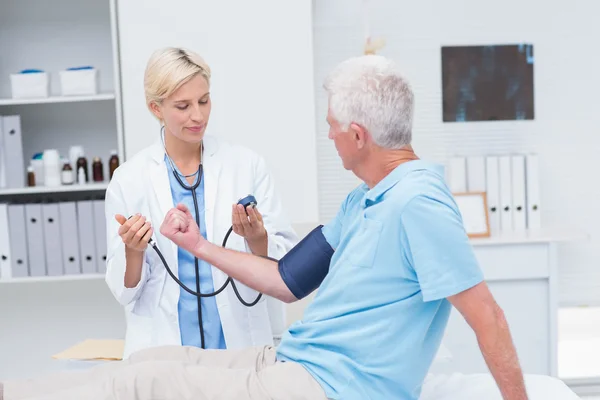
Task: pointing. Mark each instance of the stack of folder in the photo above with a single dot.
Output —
(511, 184)
(52, 239)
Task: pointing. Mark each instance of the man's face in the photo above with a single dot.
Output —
(344, 140)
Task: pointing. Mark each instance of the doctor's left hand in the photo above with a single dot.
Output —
(179, 227)
(249, 226)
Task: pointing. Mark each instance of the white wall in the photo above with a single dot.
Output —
(262, 87)
(565, 129)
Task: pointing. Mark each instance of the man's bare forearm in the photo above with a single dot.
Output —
(258, 273)
(501, 357)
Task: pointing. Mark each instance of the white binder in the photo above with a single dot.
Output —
(35, 239)
(52, 239)
(100, 227)
(87, 236)
(5, 259)
(2, 150)
(534, 221)
(518, 193)
(18, 240)
(69, 233)
(492, 188)
(13, 152)
(457, 175)
(476, 174)
(505, 175)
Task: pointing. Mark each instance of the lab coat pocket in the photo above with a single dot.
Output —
(366, 243)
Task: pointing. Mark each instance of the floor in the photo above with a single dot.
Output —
(579, 343)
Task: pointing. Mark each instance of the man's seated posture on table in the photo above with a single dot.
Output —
(388, 268)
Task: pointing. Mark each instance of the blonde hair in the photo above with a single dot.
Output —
(168, 69)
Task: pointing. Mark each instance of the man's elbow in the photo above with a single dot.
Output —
(492, 320)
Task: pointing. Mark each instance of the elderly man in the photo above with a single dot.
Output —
(388, 268)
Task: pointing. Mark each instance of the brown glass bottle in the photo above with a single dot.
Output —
(97, 170)
(113, 163)
(82, 163)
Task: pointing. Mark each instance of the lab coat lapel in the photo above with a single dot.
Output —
(212, 164)
(162, 189)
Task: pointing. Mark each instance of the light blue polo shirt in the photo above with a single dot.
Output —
(378, 318)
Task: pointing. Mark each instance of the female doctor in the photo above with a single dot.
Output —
(143, 189)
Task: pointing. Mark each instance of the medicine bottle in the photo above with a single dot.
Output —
(82, 164)
(66, 176)
(113, 163)
(97, 170)
(30, 176)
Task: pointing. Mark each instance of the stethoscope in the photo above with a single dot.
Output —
(247, 201)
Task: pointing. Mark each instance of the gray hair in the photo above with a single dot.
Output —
(370, 91)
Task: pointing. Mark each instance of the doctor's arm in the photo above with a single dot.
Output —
(126, 267)
(487, 320)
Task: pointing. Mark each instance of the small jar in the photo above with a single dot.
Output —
(83, 165)
(97, 170)
(30, 176)
(113, 163)
(66, 176)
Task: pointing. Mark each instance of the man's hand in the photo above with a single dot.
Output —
(486, 318)
(179, 226)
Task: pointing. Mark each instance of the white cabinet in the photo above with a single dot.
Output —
(521, 273)
(43, 315)
(52, 37)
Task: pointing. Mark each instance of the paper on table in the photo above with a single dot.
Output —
(93, 350)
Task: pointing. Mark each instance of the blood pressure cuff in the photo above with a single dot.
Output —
(305, 266)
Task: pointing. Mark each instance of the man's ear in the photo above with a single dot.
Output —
(360, 134)
(156, 110)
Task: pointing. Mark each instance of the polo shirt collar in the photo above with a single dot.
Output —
(396, 176)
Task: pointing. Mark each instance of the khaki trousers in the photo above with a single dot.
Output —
(177, 373)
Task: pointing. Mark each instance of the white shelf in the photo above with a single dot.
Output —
(544, 236)
(57, 189)
(63, 278)
(57, 99)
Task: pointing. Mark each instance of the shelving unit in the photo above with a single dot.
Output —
(57, 99)
(49, 279)
(45, 314)
(90, 187)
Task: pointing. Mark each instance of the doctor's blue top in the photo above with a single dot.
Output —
(378, 318)
(188, 304)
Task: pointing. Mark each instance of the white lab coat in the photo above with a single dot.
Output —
(141, 185)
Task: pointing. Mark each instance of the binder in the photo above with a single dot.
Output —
(492, 188)
(5, 259)
(457, 175)
(505, 175)
(69, 234)
(518, 193)
(13, 152)
(85, 227)
(534, 222)
(2, 150)
(35, 239)
(52, 239)
(476, 174)
(100, 229)
(18, 240)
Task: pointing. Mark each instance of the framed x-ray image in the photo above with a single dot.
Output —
(474, 210)
(487, 83)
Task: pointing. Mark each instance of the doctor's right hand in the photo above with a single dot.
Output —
(135, 231)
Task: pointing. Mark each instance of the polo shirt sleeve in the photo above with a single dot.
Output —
(438, 248)
(333, 229)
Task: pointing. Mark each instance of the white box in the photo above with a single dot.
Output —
(30, 85)
(79, 82)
